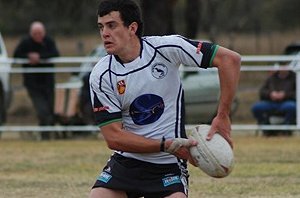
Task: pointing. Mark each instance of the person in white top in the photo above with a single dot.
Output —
(138, 103)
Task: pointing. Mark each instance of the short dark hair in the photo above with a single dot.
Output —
(129, 12)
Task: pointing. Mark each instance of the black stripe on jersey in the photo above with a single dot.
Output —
(195, 43)
(155, 48)
(136, 70)
(148, 64)
(102, 116)
(118, 59)
(141, 68)
(180, 47)
(109, 69)
(182, 121)
(153, 57)
(207, 49)
(100, 87)
(141, 52)
(178, 111)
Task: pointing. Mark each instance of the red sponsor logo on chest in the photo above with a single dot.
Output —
(199, 48)
(98, 109)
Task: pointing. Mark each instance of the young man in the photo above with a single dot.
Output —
(138, 103)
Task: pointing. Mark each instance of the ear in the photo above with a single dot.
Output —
(133, 28)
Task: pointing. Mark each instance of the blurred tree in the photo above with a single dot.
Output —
(210, 16)
(63, 17)
(158, 17)
(210, 26)
(287, 14)
(192, 17)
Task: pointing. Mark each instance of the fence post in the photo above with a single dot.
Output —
(298, 95)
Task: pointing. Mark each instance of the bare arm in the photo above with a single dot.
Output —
(122, 140)
(228, 64)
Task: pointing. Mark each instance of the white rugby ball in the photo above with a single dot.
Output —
(214, 157)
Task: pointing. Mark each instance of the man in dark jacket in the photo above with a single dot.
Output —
(37, 46)
(278, 95)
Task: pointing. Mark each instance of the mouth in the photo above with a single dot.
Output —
(107, 43)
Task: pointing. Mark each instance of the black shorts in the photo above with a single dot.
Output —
(143, 179)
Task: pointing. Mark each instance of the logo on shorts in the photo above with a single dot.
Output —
(107, 169)
(104, 177)
(159, 71)
(171, 180)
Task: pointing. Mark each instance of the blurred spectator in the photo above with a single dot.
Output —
(85, 101)
(277, 97)
(40, 86)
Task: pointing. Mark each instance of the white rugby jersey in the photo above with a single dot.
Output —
(146, 94)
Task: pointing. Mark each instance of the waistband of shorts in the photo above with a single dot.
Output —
(131, 162)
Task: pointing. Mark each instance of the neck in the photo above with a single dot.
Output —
(131, 52)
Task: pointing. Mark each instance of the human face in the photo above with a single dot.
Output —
(37, 32)
(115, 36)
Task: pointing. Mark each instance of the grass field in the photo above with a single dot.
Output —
(264, 167)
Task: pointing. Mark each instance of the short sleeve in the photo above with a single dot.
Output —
(105, 105)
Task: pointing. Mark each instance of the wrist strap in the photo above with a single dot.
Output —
(162, 144)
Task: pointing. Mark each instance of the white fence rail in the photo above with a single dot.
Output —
(249, 63)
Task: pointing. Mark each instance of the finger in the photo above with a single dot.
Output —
(210, 134)
(182, 153)
(226, 136)
(190, 143)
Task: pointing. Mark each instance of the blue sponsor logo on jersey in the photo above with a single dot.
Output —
(146, 109)
(171, 180)
(159, 70)
(104, 177)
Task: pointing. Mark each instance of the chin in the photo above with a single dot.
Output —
(110, 51)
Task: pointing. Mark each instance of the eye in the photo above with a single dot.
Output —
(111, 25)
(100, 27)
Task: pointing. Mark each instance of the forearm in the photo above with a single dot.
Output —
(229, 73)
(122, 140)
(228, 64)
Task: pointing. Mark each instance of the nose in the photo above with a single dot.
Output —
(104, 32)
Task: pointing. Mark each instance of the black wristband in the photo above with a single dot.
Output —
(162, 144)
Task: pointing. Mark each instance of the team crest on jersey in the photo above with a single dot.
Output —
(159, 70)
(121, 86)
